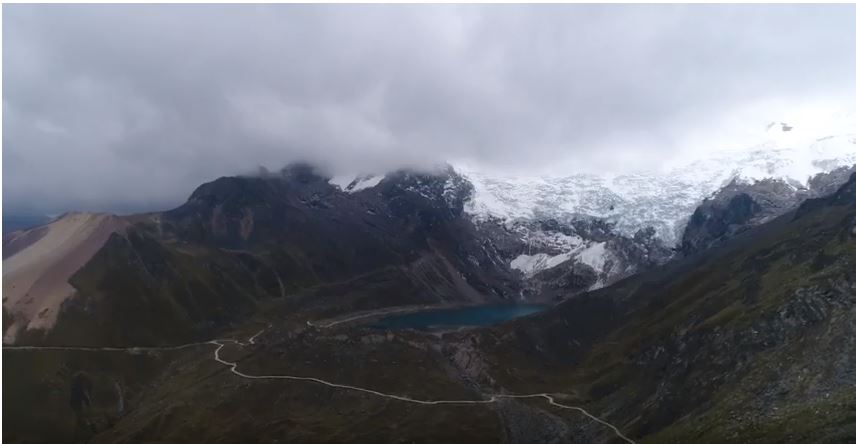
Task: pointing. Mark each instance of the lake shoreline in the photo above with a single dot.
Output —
(371, 317)
(455, 318)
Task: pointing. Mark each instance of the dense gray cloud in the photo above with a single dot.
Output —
(129, 107)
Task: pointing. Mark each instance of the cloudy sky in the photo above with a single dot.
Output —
(130, 107)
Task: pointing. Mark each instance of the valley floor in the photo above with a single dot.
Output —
(229, 347)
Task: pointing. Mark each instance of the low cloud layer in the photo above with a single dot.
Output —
(125, 107)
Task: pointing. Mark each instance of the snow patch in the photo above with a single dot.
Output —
(594, 256)
(353, 183)
(534, 264)
(367, 183)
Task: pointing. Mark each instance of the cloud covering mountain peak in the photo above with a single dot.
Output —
(112, 106)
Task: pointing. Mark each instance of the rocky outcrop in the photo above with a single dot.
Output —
(741, 205)
(238, 241)
(747, 342)
(715, 220)
(558, 259)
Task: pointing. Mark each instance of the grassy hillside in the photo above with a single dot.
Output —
(752, 342)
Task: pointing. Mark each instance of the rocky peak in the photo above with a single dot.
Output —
(441, 188)
(743, 204)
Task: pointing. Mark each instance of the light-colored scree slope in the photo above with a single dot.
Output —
(35, 278)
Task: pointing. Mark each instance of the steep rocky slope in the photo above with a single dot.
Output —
(558, 259)
(631, 221)
(240, 241)
(751, 341)
(748, 341)
(742, 204)
(39, 263)
(340, 244)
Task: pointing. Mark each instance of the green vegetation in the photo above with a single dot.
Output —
(752, 342)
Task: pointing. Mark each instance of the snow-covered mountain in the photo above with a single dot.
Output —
(603, 227)
(575, 232)
(664, 199)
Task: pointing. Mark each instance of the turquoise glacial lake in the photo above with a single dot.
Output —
(457, 317)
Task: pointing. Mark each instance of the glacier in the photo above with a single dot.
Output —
(662, 199)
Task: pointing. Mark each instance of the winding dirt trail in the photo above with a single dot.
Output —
(109, 349)
(233, 367)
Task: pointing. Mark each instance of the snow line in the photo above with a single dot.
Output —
(233, 367)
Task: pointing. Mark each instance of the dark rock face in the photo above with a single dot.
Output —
(739, 206)
(711, 222)
(744, 342)
(626, 256)
(623, 255)
(752, 341)
(642, 251)
(827, 183)
(562, 281)
(748, 342)
(843, 196)
(239, 241)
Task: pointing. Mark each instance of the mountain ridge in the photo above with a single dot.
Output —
(712, 345)
(749, 341)
(370, 223)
